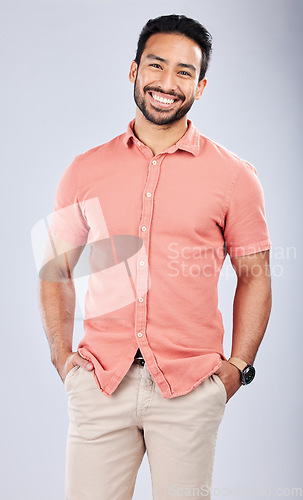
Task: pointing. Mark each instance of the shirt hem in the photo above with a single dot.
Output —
(248, 249)
(117, 378)
(67, 237)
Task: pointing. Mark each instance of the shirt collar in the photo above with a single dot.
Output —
(189, 141)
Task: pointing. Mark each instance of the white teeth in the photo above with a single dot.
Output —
(162, 99)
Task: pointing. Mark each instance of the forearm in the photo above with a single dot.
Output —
(57, 308)
(252, 305)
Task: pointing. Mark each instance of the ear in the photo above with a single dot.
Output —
(200, 88)
(133, 72)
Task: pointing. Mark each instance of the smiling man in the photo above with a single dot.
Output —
(166, 84)
(160, 205)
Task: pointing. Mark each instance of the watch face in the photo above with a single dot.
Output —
(248, 374)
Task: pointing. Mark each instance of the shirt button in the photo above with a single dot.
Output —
(139, 143)
(140, 299)
(154, 162)
(143, 228)
(140, 334)
(142, 263)
(148, 195)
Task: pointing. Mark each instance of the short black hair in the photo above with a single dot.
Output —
(180, 25)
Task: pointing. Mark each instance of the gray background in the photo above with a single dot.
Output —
(65, 89)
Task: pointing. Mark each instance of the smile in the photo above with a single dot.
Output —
(162, 101)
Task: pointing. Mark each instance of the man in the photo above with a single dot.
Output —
(160, 205)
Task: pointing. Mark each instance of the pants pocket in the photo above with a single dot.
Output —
(221, 386)
(70, 375)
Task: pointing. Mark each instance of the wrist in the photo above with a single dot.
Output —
(244, 356)
(246, 370)
(58, 358)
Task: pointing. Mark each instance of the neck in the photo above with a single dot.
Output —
(158, 137)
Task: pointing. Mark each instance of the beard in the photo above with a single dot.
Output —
(161, 116)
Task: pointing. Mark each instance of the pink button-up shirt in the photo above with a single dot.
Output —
(159, 228)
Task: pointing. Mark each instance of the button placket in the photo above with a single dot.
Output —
(143, 278)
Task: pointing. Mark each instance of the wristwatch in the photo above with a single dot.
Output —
(247, 371)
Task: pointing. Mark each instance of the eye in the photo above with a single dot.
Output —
(185, 73)
(155, 64)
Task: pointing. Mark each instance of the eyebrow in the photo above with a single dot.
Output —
(183, 65)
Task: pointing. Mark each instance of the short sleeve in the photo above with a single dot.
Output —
(245, 227)
(68, 222)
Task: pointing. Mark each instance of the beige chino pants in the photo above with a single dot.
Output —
(108, 436)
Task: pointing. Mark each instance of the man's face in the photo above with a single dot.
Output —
(169, 69)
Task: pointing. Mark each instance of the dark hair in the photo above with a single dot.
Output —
(178, 24)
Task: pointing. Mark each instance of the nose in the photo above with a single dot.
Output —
(167, 82)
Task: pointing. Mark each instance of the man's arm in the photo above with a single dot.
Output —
(252, 306)
(56, 294)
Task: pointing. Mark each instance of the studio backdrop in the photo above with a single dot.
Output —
(65, 89)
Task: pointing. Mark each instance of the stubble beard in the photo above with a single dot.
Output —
(161, 117)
